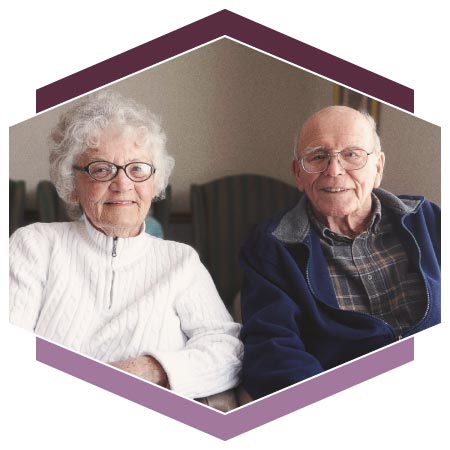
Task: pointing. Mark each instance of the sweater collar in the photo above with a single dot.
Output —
(124, 248)
(295, 225)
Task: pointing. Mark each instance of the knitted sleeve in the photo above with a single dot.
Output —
(28, 255)
(211, 360)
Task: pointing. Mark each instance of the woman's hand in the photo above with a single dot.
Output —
(145, 367)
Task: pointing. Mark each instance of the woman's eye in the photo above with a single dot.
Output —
(101, 171)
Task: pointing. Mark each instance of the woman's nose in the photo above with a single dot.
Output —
(121, 182)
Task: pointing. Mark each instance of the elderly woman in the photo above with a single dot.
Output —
(102, 286)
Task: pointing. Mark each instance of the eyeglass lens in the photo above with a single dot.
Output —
(350, 159)
(104, 171)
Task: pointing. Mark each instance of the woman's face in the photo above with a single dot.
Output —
(118, 207)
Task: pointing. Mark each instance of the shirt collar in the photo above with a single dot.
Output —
(331, 236)
(295, 225)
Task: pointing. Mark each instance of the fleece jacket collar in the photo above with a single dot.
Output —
(294, 226)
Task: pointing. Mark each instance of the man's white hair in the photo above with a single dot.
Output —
(365, 114)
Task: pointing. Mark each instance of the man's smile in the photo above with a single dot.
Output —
(333, 190)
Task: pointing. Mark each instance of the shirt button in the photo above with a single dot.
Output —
(369, 277)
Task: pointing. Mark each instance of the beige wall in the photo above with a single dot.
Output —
(413, 154)
(229, 109)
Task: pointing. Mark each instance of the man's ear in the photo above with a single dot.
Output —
(380, 169)
(298, 173)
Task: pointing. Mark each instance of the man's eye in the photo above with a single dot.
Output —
(318, 157)
(352, 154)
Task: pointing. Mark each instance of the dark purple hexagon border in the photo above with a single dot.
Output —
(225, 426)
(225, 23)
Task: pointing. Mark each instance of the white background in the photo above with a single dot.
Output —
(44, 41)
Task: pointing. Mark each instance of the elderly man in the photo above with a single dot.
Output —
(351, 268)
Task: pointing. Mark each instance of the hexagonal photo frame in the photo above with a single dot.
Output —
(288, 50)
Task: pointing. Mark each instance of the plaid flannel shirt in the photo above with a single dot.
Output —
(371, 273)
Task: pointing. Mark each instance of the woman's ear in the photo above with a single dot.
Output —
(73, 198)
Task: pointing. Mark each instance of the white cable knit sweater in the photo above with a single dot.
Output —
(153, 298)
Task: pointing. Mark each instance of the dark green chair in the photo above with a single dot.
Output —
(50, 207)
(223, 212)
(16, 205)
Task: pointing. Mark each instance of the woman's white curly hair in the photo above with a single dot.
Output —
(80, 129)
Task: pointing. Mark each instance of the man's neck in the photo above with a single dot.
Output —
(351, 225)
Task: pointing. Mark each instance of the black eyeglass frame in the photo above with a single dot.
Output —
(337, 156)
(124, 168)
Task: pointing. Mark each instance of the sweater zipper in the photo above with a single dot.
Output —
(114, 249)
(114, 254)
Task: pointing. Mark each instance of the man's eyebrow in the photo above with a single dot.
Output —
(323, 148)
(315, 149)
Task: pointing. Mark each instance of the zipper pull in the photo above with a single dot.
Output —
(114, 250)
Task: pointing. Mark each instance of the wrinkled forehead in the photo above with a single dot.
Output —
(337, 129)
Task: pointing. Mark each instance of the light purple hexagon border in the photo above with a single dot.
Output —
(225, 426)
(240, 420)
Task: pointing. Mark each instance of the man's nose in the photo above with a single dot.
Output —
(334, 166)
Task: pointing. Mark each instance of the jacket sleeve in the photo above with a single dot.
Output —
(274, 354)
(211, 360)
(432, 213)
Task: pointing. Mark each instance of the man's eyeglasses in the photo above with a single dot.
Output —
(318, 160)
(106, 171)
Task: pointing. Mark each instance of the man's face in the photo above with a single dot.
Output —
(339, 193)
